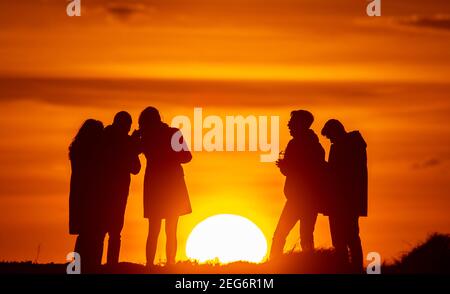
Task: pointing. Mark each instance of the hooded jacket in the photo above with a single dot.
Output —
(348, 171)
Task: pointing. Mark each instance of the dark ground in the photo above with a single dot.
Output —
(430, 257)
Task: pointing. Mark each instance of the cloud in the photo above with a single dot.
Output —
(114, 92)
(125, 11)
(429, 163)
(436, 22)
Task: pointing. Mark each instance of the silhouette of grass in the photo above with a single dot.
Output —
(429, 257)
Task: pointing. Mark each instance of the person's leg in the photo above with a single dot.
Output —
(152, 240)
(114, 238)
(78, 244)
(97, 249)
(307, 224)
(113, 247)
(91, 249)
(171, 236)
(287, 221)
(79, 248)
(354, 245)
(337, 230)
(85, 256)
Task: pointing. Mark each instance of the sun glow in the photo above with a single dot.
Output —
(226, 238)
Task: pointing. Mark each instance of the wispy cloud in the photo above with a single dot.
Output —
(126, 10)
(428, 163)
(436, 22)
(104, 92)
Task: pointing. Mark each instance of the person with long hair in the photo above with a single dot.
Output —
(85, 193)
(165, 192)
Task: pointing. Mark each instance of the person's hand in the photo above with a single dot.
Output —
(279, 163)
(136, 134)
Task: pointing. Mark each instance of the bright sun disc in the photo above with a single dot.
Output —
(226, 238)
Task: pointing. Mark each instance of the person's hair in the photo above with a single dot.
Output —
(304, 117)
(150, 115)
(122, 117)
(331, 126)
(87, 135)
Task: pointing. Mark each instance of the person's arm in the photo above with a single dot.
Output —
(180, 148)
(332, 157)
(320, 153)
(135, 148)
(283, 164)
(135, 164)
(137, 142)
(184, 156)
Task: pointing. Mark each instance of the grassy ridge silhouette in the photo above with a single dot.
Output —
(432, 256)
(429, 257)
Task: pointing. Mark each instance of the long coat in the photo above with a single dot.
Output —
(348, 172)
(85, 203)
(165, 191)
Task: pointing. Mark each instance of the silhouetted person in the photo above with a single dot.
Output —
(302, 165)
(85, 193)
(348, 174)
(121, 158)
(165, 192)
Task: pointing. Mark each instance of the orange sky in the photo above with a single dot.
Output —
(387, 77)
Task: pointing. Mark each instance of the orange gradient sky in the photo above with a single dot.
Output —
(389, 77)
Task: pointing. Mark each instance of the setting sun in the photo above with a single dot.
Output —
(226, 238)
